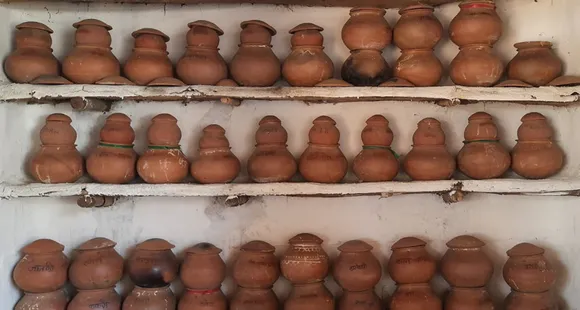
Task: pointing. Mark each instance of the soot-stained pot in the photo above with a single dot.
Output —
(152, 264)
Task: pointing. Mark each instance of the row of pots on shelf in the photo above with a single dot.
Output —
(152, 266)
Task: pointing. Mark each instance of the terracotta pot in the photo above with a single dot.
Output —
(149, 60)
(311, 296)
(535, 64)
(254, 299)
(141, 298)
(96, 265)
(203, 268)
(419, 66)
(476, 23)
(476, 65)
(415, 297)
(531, 301)
(417, 28)
(365, 68)
(482, 156)
(465, 264)
(536, 155)
(410, 262)
(365, 300)
(216, 163)
(527, 270)
(429, 159)
(376, 162)
(356, 268)
(152, 264)
(212, 299)
(256, 266)
(113, 161)
(96, 299)
(367, 29)
(43, 267)
(468, 298)
(304, 261)
(32, 56)
(163, 162)
(55, 300)
(91, 58)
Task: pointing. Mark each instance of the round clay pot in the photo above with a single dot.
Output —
(55, 300)
(535, 64)
(419, 66)
(160, 298)
(311, 296)
(530, 301)
(367, 29)
(410, 262)
(364, 300)
(152, 264)
(96, 265)
(212, 299)
(256, 266)
(476, 65)
(202, 267)
(376, 162)
(304, 261)
(254, 299)
(415, 297)
(96, 299)
(468, 298)
(216, 163)
(527, 270)
(476, 23)
(43, 267)
(417, 28)
(465, 264)
(149, 60)
(32, 56)
(365, 68)
(356, 268)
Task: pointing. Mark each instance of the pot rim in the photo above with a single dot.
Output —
(477, 3)
(206, 24)
(368, 9)
(152, 31)
(34, 25)
(533, 44)
(415, 7)
(305, 27)
(92, 22)
(246, 23)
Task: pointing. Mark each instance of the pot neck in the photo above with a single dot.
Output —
(254, 45)
(108, 48)
(323, 146)
(308, 47)
(60, 147)
(150, 50)
(198, 48)
(271, 145)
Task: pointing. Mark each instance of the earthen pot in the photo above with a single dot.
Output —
(255, 64)
(536, 63)
(536, 155)
(96, 265)
(429, 159)
(96, 299)
(417, 28)
(256, 266)
(365, 68)
(212, 299)
(254, 299)
(356, 268)
(364, 300)
(476, 65)
(215, 163)
(159, 298)
(468, 298)
(91, 58)
(305, 261)
(149, 60)
(465, 264)
(203, 268)
(527, 270)
(410, 262)
(376, 162)
(367, 29)
(55, 300)
(152, 264)
(43, 267)
(419, 66)
(32, 56)
(415, 297)
(58, 160)
(113, 161)
(163, 162)
(310, 296)
(476, 23)
(482, 156)
(202, 63)
(531, 301)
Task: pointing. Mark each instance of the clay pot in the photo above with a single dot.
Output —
(476, 23)
(212, 299)
(468, 298)
(536, 155)
(91, 58)
(365, 300)
(113, 161)
(415, 297)
(152, 264)
(216, 163)
(410, 262)
(482, 156)
(365, 68)
(96, 265)
(465, 264)
(367, 29)
(254, 64)
(32, 56)
(376, 162)
(202, 63)
(356, 268)
(417, 28)
(476, 65)
(530, 301)
(429, 159)
(271, 161)
(56, 300)
(527, 270)
(202, 267)
(163, 162)
(43, 267)
(254, 299)
(149, 60)
(141, 298)
(96, 299)
(311, 296)
(304, 261)
(256, 266)
(535, 64)
(323, 161)
(419, 66)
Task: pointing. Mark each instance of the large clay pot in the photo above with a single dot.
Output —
(113, 161)
(43, 267)
(91, 58)
(468, 298)
(429, 159)
(203, 268)
(356, 268)
(152, 264)
(96, 265)
(531, 301)
(465, 264)
(215, 163)
(376, 162)
(212, 299)
(419, 66)
(476, 65)
(527, 270)
(254, 299)
(367, 29)
(482, 156)
(149, 60)
(410, 262)
(256, 266)
(55, 300)
(159, 298)
(365, 68)
(476, 23)
(415, 297)
(417, 28)
(535, 64)
(364, 300)
(304, 261)
(96, 299)
(311, 296)
(32, 56)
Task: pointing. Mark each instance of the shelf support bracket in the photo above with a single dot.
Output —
(456, 194)
(90, 104)
(95, 201)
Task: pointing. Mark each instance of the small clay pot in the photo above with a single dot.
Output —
(364, 300)
(43, 267)
(417, 28)
(367, 29)
(152, 264)
(311, 296)
(159, 298)
(536, 63)
(419, 66)
(96, 299)
(254, 299)
(415, 296)
(96, 265)
(527, 270)
(376, 162)
(365, 68)
(476, 65)
(55, 300)
(531, 301)
(256, 266)
(476, 23)
(356, 268)
(410, 262)
(203, 268)
(304, 261)
(468, 298)
(216, 163)
(212, 299)
(149, 60)
(465, 264)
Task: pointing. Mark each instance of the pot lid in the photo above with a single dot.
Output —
(269, 119)
(333, 83)
(92, 22)
(530, 44)
(164, 117)
(227, 82)
(533, 116)
(117, 117)
(416, 7)
(258, 246)
(99, 242)
(42, 246)
(476, 116)
(152, 31)
(166, 81)
(304, 27)
(207, 24)
(525, 249)
(58, 117)
(324, 119)
(244, 24)
(465, 241)
(155, 244)
(513, 83)
(484, 2)
(305, 238)
(377, 119)
(34, 25)
(408, 242)
(354, 246)
(565, 80)
(203, 248)
(368, 8)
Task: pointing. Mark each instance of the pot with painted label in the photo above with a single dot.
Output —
(43, 267)
(56, 300)
(305, 261)
(356, 268)
(410, 262)
(256, 266)
(212, 299)
(203, 268)
(527, 270)
(157, 298)
(254, 299)
(460, 298)
(363, 300)
(96, 265)
(415, 297)
(310, 296)
(152, 264)
(96, 299)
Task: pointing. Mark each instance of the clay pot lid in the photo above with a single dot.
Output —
(304, 27)
(155, 244)
(244, 24)
(396, 82)
(565, 80)
(43, 246)
(525, 249)
(166, 81)
(214, 128)
(164, 117)
(258, 246)
(269, 119)
(465, 242)
(367, 8)
(51, 80)
(58, 117)
(408, 242)
(355, 246)
(333, 83)
(152, 31)
(114, 80)
(207, 24)
(227, 82)
(533, 116)
(92, 22)
(203, 248)
(529, 44)
(377, 118)
(34, 25)
(119, 117)
(417, 6)
(479, 116)
(324, 119)
(464, 3)
(97, 243)
(513, 83)
(305, 238)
